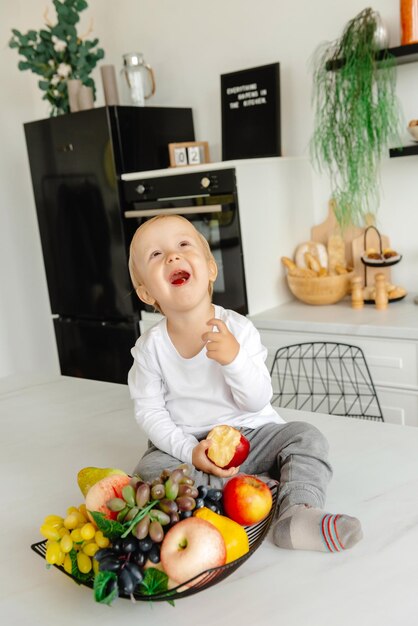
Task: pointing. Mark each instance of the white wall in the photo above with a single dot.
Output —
(189, 43)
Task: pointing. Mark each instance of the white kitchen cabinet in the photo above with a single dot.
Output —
(389, 340)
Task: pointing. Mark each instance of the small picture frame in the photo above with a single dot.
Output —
(188, 153)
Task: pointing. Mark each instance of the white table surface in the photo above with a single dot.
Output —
(51, 428)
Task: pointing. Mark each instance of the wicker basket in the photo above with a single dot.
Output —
(320, 290)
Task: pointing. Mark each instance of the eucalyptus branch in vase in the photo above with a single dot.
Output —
(57, 53)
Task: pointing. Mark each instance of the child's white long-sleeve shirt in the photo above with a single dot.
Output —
(177, 399)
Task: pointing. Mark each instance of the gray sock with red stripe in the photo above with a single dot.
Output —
(306, 528)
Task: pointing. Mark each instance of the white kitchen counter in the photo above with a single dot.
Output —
(398, 321)
(204, 167)
(52, 428)
(389, 340)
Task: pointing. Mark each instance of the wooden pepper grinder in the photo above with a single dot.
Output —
(357, 301)
(381, 298)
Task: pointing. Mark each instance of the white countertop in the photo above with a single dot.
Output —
(398, 321)
(203, 167)
(53, 428)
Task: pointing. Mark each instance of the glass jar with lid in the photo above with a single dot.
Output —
(138, 78)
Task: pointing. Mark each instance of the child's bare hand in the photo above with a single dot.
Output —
(201, 461)
(220, 346)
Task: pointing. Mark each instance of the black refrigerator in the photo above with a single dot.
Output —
(76, 161)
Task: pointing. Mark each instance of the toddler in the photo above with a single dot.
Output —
(203, 365)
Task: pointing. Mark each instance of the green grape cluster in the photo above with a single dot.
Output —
(169, 498)
(72, 541)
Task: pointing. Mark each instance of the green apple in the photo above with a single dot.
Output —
(89, 476)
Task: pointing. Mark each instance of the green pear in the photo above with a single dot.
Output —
(89, 476)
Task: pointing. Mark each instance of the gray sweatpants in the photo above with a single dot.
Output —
(294, 453)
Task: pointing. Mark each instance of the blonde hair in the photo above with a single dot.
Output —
(133, 271)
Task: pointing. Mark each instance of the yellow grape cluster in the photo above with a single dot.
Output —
(73, 531)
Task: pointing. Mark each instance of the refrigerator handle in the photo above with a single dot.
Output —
(185, 210)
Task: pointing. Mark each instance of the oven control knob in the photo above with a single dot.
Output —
(141, 189)
(205, 182)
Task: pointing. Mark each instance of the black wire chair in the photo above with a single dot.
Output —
(325, 377)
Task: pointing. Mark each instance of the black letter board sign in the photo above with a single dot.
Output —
(251, 113)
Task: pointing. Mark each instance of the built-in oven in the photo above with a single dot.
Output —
(209, 200)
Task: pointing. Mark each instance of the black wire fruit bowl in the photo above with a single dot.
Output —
(255, 533)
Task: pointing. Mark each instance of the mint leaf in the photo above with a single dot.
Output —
(105, 587)
(110, 528)
(155, 581)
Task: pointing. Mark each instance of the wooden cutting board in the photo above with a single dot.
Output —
(322, 232)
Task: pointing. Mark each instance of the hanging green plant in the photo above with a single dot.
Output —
(356, 116)
(57, 53)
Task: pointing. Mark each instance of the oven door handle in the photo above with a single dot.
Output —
(184, 210)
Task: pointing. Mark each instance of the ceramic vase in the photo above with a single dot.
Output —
(85, 98)
(409, 21)
(73, 89)
(110, 88)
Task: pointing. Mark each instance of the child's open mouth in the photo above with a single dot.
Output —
(179, 278)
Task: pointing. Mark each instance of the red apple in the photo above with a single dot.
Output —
(191, 547)
(229, 448)
(247, 499)
(103, 491)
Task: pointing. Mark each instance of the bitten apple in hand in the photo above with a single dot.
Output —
(202, 462)
(229, 448)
